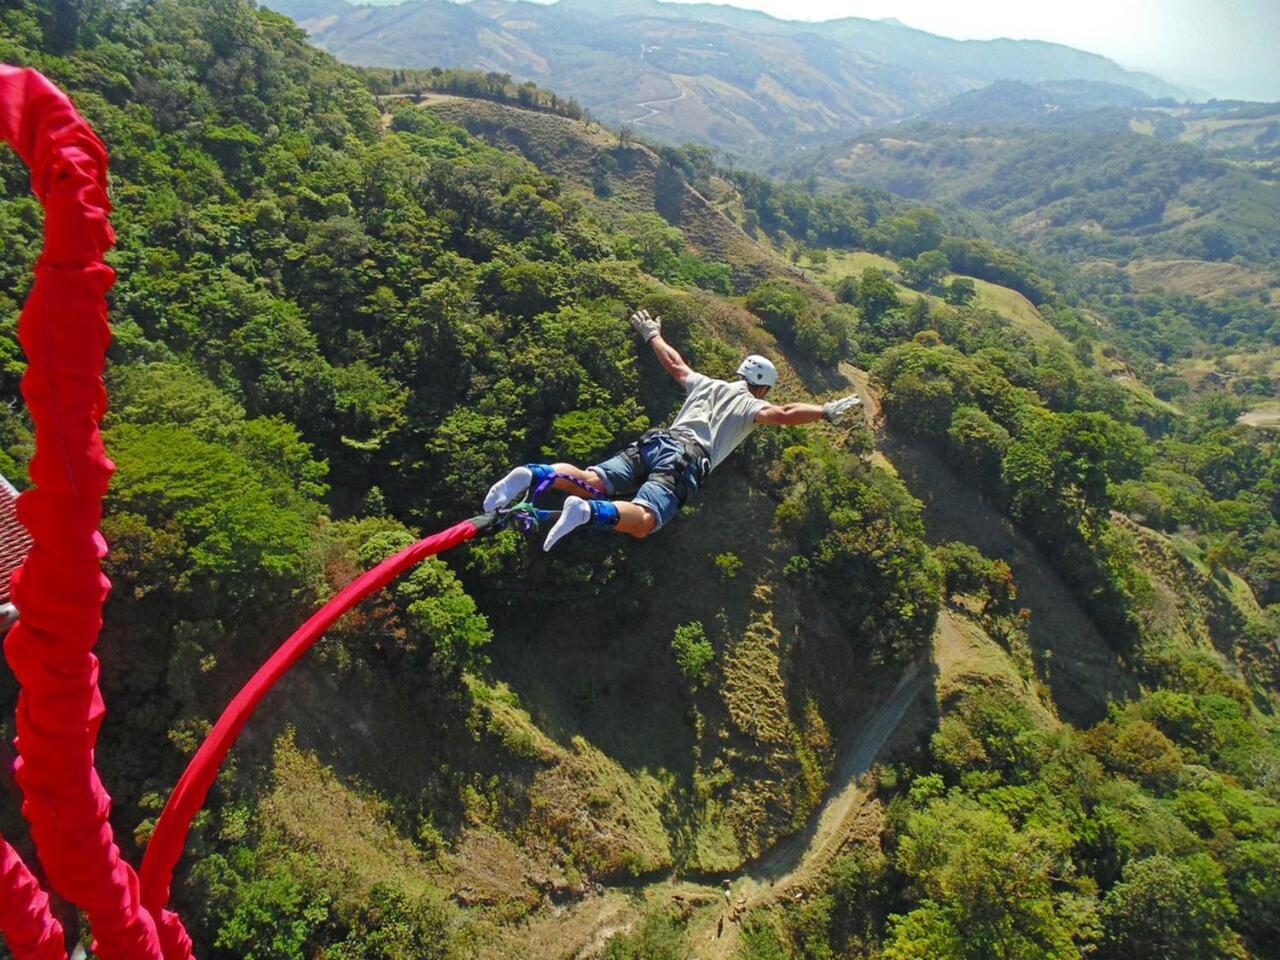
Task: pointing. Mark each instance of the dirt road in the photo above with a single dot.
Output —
(652, 105)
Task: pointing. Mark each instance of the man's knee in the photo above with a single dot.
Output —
(597, 480)
(648, 522)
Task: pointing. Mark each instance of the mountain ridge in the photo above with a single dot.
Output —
(744, 81)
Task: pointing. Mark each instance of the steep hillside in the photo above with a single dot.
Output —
(1055, 660)
(620, 175)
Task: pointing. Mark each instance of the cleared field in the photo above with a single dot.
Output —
(1013, 305)
(1199, 278)
(1268, 417)
(1008, 303)
(842, 263)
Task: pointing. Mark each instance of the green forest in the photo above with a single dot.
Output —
(340, 315)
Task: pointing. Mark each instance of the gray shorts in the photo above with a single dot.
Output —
(659, 455)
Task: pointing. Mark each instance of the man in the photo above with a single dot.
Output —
(666, 465)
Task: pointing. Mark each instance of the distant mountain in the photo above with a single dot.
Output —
(1229, 128)
(1011, 104)
(731, 78)
(971, 62)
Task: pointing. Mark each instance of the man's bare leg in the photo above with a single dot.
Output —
(515, 483)
(589, 477)
(633, 519)
(621, 515)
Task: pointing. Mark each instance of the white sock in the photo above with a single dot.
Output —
(575, 513)
(508, 488)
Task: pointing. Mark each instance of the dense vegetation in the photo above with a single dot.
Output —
(333, 327)
(1151, 835)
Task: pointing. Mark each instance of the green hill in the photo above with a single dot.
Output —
(1088, 195)
(622, 175)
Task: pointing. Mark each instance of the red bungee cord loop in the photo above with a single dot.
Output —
(60, 588)
(29, 927)
(170, 834)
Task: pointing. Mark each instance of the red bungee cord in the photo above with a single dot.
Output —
(59, 589)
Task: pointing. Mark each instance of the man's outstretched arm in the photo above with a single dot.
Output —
(651, 329)
(794, 414)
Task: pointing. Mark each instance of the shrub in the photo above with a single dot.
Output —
(661, 936)
(729, 565)
(693, 650)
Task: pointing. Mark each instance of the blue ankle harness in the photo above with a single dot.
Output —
(528, 517)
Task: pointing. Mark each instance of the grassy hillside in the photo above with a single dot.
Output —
(1161, 247)
(1078, 195)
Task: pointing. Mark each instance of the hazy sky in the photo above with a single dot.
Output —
(1225, 48)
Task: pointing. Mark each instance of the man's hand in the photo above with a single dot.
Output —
(838, 410)
(645, 325)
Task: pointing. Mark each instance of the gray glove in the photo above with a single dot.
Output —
(648, 327)
(837, 410)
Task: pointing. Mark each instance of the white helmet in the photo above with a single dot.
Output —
(759, 371)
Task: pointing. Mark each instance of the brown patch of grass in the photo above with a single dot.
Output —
(345, 830)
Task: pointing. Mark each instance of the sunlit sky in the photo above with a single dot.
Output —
(1222, 48)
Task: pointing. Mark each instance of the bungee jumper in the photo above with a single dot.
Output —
(664, 466)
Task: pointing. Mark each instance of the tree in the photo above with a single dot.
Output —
(244, 531)
(781, 305)
(1253, 876)
(924, 272)
(826, 338)
(960, 292)
(986, 890)
(1061, 466)
(977, 444)
(275, 918)
(652, 241)
(876, 295)
(1165, 908)
(912, 233)
(921, 404)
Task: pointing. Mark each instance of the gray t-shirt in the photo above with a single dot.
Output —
(718, 414)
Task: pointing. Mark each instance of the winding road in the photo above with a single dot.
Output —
(651, 105)
(791, 865)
